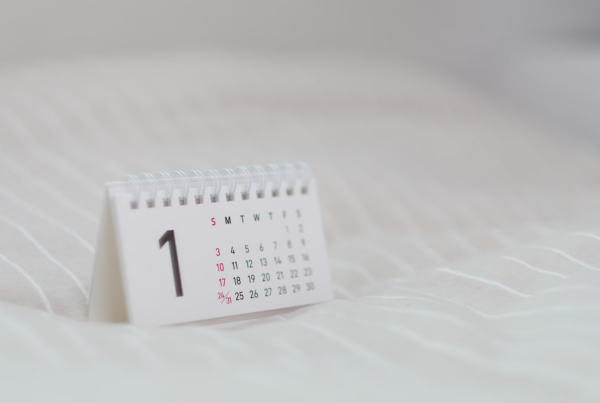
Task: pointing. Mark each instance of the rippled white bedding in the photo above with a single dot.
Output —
(464, 244)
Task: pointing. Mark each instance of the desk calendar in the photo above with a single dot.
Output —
(175, 248)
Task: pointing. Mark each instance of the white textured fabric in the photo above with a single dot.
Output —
(464, 244)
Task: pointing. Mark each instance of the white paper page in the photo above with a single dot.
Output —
(279, 241)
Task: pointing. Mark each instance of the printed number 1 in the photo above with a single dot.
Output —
(169, 237)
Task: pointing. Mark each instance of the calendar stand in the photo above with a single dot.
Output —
(107, 297)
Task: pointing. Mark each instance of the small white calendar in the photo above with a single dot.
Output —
(185, 247)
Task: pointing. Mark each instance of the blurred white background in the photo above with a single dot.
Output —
(543, 56)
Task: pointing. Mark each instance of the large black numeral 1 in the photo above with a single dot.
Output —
(169, 237)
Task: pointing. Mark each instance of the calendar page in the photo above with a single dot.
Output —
(183, 263)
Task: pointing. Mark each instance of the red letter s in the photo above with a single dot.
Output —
(213, 221)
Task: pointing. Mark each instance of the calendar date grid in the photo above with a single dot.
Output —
(267, 268)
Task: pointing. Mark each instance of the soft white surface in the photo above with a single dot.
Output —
(464, 244)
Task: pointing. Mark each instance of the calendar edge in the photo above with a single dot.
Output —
(106, 304)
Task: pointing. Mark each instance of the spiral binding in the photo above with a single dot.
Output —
(227, 177)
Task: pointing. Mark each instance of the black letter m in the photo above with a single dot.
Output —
(227, 220)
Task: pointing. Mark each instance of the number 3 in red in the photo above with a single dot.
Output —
(218, 252)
